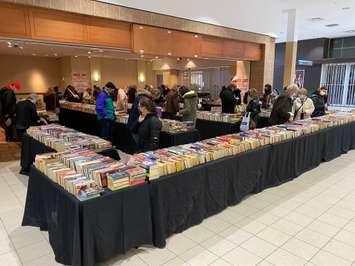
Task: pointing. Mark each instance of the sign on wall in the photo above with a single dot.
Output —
(299, 78)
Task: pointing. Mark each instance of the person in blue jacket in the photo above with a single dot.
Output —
(105, 111)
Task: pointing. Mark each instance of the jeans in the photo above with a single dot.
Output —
(106, 127)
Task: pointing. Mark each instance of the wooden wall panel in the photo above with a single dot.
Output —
(211, 47)
(58, 26)
(109, 32)
(233, 49)
(186, 44)
(253, 52)
(152, 40)
(13, 21)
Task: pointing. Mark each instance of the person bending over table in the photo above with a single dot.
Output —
(146, 130)
(189, 112)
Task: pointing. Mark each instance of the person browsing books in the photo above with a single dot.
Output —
(105, 112)
(147, 129)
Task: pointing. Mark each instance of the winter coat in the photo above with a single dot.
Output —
(280, 111)
(148, 133)
(254, 109)
(228, 101)
(7, 103)
(319, 105)
(172, 102)
(26, 115)
(302, 110)
(104, 106)
(134, 112)
(190, 106)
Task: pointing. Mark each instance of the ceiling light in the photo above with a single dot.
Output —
(196, 36)
(75, 56)
(89, 57)
(178, 59)
(169, 53)
(195, 55)
(21, 47)
(317, 19)
(55, 54)
(141, 27)
(34, 54)
(346, 8)
(89, 52)
(157, 57)
(169, 31)
(332, 25)
(141, 51)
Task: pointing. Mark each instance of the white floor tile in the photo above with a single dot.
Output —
(282, 257)
(313, 238)
(175, 262)
(252, 226)
(218, 245)
(156, 256)
(300, 248)
(220, 262)
(198, 233)
(236, 235)
(350, 227)
(35, 251)
(258, 247)
(287, 227)
(323, 228)
(274, 236)
(198, 256)
(341, 249)
(10, 259)
(324, 258)
(242, 257)
(215, 225)
(346, 237)
(333, 220)
(179, 244)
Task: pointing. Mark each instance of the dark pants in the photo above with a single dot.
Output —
(106, 127)
(20, 133)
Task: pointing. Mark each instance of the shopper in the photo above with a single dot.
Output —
(147, 128)
(282, 109)
(7, 109)
(268, 97)
(254, 108)
(172, 102)
(71, 94)
(318, 99)
(228, 99)
(238, 96)
(131, 93)
(87, 96)
(134, 112)
(26, 115)
(190, 104)
(303, 106)
(96, 92)
(122, 100)
(105, 112)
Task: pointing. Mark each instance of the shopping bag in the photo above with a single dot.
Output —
(244, 125)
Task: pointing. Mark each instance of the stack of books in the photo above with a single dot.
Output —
(61, 138)
(174, 126)
(219, 117)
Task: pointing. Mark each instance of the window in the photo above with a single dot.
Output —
(197, 79)
(340, 81)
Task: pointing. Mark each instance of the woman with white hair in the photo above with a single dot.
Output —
(26, 115)
(303, 106)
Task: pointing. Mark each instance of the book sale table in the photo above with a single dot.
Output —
(122, 137)
(84, 233)
(31, 147)
(210, 129)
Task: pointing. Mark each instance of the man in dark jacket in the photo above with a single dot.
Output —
(26, 115)
(228, 100)
(7, 108)
(134, 112)
(319, 98)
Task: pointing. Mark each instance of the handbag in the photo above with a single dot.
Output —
(244, 125)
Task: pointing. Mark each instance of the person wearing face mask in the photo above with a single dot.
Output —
(282, 108)
(147, 129)
(318, 99)
(303, 106)
(105, 111)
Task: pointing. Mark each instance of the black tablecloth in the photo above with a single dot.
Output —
(210, 129)
(84, 233)
(31, 147)
(184, 199)
(173, 139)
(81, 121)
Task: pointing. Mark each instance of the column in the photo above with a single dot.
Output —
(291, 48)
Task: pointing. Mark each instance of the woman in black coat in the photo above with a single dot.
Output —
(147, 128)
(319, 100)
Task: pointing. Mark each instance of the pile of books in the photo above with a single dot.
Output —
(85, 173)
(81, 107)
(219, 117)
(174, 126)
(61, 138)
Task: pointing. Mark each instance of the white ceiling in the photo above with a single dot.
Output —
(262, 16)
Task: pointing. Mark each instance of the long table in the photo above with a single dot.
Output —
(85, 233)
(175, 202)
(210, 129)
(122, 137)
(30, 147)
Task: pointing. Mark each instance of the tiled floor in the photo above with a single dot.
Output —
(308, 221)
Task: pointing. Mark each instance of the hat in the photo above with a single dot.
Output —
(16, 84)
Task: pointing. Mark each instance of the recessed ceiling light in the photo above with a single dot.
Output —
(169, 53)
(169, 31)
(332, 25)
(34, 54)
(157, 57)
(195, 55)
(75, 56)
(346, 8)
(196, 36)
(141, 51)
(21, 47)
(89, 52)
(350, 31)
(317, 19)
(178, 59)
(141, 27)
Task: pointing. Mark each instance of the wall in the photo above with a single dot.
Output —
(36, 74)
